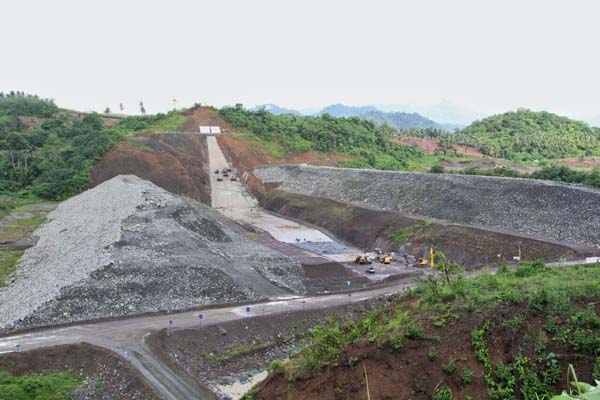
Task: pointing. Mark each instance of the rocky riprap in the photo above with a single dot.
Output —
(128, 247)
(540, 209)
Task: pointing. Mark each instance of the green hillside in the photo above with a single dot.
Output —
(509, 335)
(526, 135)
(47, 152)
(370, 144)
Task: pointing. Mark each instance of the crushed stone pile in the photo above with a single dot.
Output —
(540, 209)
(127, 247)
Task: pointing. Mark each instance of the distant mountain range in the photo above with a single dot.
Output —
(276, 110)
(396, 119)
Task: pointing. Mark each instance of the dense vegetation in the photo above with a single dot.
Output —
(526, 135)
(368, 143)
(26, 105)
(54, 159)
(52, 156)
(44, 386)
(563, 300)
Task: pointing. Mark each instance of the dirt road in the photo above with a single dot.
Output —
(126, 337)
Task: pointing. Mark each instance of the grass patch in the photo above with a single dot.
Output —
(8, 263)
(408, 232)
(260, 146)
(43, 386)
(168, 124)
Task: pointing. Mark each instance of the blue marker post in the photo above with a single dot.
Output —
(248, 311)
(349, 283)
(349, 297)
(170, 326)
(200, 317)
(18, 348)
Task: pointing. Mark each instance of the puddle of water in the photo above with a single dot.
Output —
(236, 390)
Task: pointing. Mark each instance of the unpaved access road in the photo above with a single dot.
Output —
(126, 337)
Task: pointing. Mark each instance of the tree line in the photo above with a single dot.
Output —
(370, 144)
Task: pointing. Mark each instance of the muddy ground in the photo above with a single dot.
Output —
(430, 146)
(583, 163)
(235, 351)
(106, 375)
(390, 231)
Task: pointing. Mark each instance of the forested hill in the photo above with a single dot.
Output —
(48, 152)
(370, 145)
(526, 135)
(401, 120)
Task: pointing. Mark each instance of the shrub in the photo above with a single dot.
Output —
(527, 268)
(275, 365)
(414, 331)
(396, 341)
(437, 169)
(467, 376)
(432, 354)
(450, 368)
(596, 373)
(443, 394)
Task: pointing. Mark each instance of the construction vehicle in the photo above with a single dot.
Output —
(431, 261)
(362, 260)
(382, 257)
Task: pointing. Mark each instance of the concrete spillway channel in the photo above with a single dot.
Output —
(232, 199)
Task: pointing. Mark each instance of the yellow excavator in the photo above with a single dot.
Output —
(424, 261)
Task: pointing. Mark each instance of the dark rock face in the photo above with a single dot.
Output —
(541, 209)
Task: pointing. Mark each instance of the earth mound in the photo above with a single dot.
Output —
(128, 247)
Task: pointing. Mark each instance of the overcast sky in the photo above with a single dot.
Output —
(486, 56)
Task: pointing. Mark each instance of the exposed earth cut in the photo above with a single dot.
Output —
(128, 247)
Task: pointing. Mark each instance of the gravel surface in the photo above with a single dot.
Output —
(541, 209)
(127, 247)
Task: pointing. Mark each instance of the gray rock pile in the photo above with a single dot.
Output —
(128, 246)
(541, 209)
